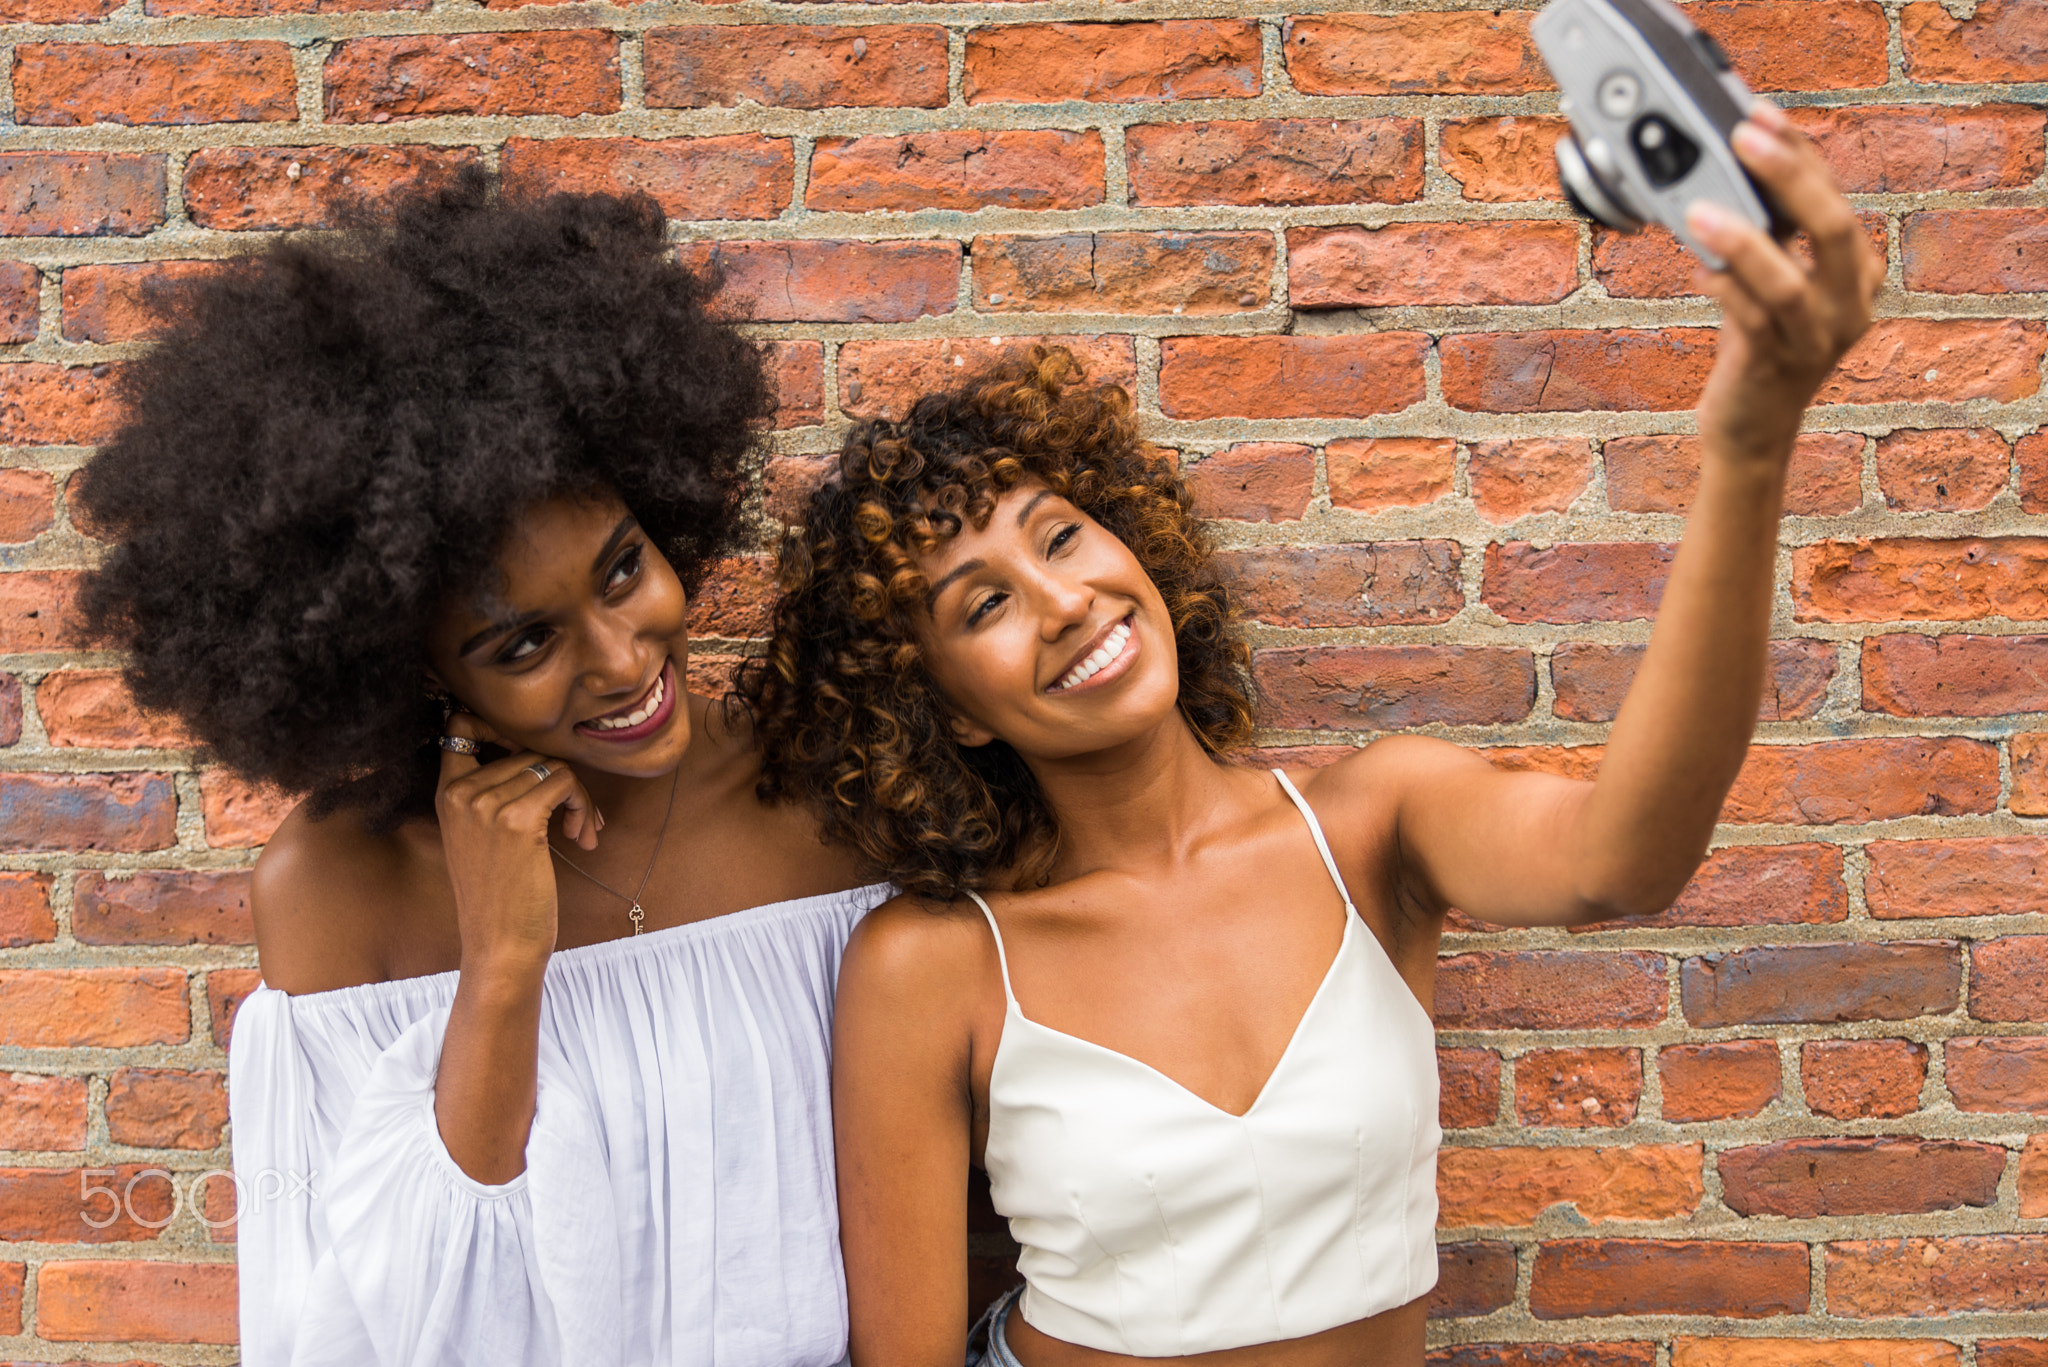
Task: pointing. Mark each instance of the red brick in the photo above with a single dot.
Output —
(10, 713)
(1938, 1277)
(54, 1205)
(794, 66)
(1584, 1278)
(93, 709)
(1998, 1074)
(258, 9)
(1789, 984)
(1863, 1079)
(2032, 452)
(20, 301)
(1173, 59)
(1877, 779)
(1921, 579)
(1468, 1088)
(1576, 581)
(1977, 251)
(226, 990)
(1954, 676)
(2013, 1352)
(882, 378)
(1949, 469)
(1569, 370)
(1591, 680)
(243, 189)
(1516, 478)
(1731, 1080)
(1578, 1088)
(68, 84)
(1652, 264)
(49, 405)
(2009, 979)
(832, 282)
(961, 169)
(1754, 885)
(419, 76)
(787, 483)
(1371, 473)
(1472, 1279)
(1505, 159)
(146, 1302)
(1514, 1186)
(1290, 377)
(13, 1278)
(1544, 1355)
(240, 815)
(166, 1108)
(28, 505)
(1275, 161)
(1816, 45)
(122, 303)
(741, 176)
(1913, 148)
(1925, 360)
(56, 12)
(1254, 481)
(42, 1113)
(1549, 989)
(2002, 40)
(1807, 1179)
(162, 907)
(1662, 474)
(1815, 1353)
(1432, 263)
(1195, 274)
(798, 370)
(2033, 1194)
(1382, 688)
(80, 194)
(734, 599)
(1443, 52)
(87, 812)
(1387, 583)
(87, 1008)
(25, 917)
(1999, 876)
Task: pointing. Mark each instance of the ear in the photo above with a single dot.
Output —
(971, 735)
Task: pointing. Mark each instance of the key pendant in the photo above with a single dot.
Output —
(637, 914)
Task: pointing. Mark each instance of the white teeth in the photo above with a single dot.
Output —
(647, 709)
(1111, 647)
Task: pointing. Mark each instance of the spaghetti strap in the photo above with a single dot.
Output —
(1315, 828)
(1001, 958)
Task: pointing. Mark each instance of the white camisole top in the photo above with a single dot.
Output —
(1153, 1223)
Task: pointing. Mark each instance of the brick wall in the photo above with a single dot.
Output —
(1800, 1118)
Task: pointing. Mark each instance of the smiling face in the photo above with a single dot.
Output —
(579, 648)
(1045, 632)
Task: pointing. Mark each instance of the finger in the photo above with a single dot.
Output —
(1740, 309)
(538, 803)
(457, 764)
(1765, 269)
(518, 778)
(1790, 168)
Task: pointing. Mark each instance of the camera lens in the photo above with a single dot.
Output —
(1618, 95)
(1589, 194)
(1666, 153)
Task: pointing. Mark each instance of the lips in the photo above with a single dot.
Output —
(640, 718)
(1106, 656)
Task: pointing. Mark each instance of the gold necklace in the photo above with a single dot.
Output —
(634, 912)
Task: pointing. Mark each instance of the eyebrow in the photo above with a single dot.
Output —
(619, 533)
(970, 566)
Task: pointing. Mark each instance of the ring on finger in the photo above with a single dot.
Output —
(539, 771)
(459, 745)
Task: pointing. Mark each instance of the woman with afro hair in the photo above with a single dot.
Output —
(1178, 1007)
(407, 520)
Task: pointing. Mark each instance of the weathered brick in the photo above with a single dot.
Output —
(240, 815)
(56, 12)
(1583, 1278)
(2029, 796)
(1938, 1277)
(87, 1008)
(424, 75)
(1815, 45)
(167, 1108)
(2013, 1352)
(28, 507)
(1862, 1079)
(1913, 148)
(1995, 876)
(93, 708)
(1576, 370)
(1514, 478)
(796, 66)
(53, 1205)
(1378, 688)
(25, 916)
(123, 303)
(1652, 264)
(226, 990)
(162, 907)
(44, 1114)
(1921, 579)
(1591, 679)
(130, 812)
(735, 598)
(1576, 581)
(1782, 984)
(787, 483)
(147, 1302)
(739, 176)
(1275, 161)
(798, 372)
(266, 189)
(1662, 474)
(1468, 1088)
(13, 1281)
(1977, 251)
(963, 169)
(832, 282)
(1179, 273)
(1947, 469)
(1731, 1080)
(1254, 481)
(1505, 159)
(1386, 583)
(81, 194)
(257, 9)
(1549, 989)
(1806, 1179)
(2033, 1195)
(1928, 360)
(1815, 1353)
(2009, 979)
(882, 378)
(51, 405)
(1475, 1278)
(1544, 1355)
(2000, 41)
(1752, 885)
(10, 711)
(21, 302)
(1514, 1186)
(1172, 59)
(1578, 1088)
(1954, 676)
(1290, 377)
(1371, 473)
(2032, 453)
(1432, 263)
(69, 84)
(1442, 52)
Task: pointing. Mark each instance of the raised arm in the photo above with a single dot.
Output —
(1522, 849)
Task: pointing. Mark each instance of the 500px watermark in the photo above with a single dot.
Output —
(105, 1198)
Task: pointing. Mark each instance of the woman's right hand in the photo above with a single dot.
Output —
(494, 833)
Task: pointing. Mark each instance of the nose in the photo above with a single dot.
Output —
(1065, 604)
(616, 662)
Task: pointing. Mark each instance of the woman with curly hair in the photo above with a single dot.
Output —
(408, 521)
(1179, 1009)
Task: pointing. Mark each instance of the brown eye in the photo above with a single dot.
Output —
(624, 569)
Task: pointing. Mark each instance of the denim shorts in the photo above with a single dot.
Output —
(987, 1343)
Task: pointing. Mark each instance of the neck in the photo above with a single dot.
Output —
(1142, 802)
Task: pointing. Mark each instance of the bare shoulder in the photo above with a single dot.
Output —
(1387, 769)
(915, 953)
(323, 898)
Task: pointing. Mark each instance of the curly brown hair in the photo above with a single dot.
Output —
(846, 714)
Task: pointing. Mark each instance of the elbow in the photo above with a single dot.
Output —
(1627, 899)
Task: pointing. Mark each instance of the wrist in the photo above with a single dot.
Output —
(505, 978)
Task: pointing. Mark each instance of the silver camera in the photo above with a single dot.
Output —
(1652, 102)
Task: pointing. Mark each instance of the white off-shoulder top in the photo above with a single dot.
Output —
(677, 1205)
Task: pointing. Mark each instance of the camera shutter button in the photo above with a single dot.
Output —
(1619, 94)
